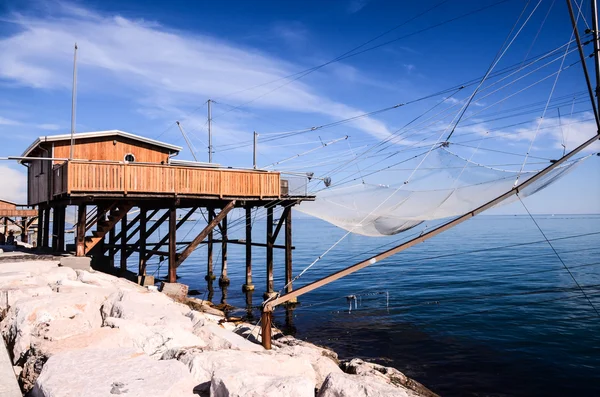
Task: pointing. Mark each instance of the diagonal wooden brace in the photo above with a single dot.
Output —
(204, 233)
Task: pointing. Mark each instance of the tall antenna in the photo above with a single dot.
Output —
(210, 151)
(254, 151)
(73, 102)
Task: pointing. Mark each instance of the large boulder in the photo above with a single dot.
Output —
(155, 340)
(218, 338)
(344, 385)
(50, 317)
(104, 372)
(31, 267)
(247, 384)
(204, 364)
(387, 375)
(148, 308)
(323, 361)
(104, 280)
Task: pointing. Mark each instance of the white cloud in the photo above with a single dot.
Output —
(14, 185)
(49, 127)
(5, 121)
(169, 68)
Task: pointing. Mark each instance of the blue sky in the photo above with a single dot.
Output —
(143, 65)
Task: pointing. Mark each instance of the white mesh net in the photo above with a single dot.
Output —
(444, 185)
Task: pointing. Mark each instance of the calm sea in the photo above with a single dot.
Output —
(485, 309)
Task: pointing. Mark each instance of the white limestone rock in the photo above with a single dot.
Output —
(19, 289)
(386, 375)
(55, 276)
(344, 385)
(100, 279)
(55, 316)
(204, 364)
(148, 308)
(218, 338)
(105, 372)
(247, 384)
(155, 340)
(323, 361)
(32, 267)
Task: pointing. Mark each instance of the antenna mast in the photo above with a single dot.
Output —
(73, 102)
(596, 48)
(210, 149)
(186, 140)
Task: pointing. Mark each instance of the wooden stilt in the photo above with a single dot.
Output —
(288, 252)
(123, 254)
(172, 278)
(40, 227)
(209, 248)
(55, 227)
(142, 254)
(24, 236)
(80, 238)
(111, 243)
(224, 280)
(5, 228)
(60, 219)
(248, 286)
(270, 282)
(46, 230)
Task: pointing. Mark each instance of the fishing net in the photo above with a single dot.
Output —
(441, 185)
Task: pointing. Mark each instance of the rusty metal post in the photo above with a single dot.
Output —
(224, 280)
(80, 239)
(210, 275)
(270, 282)
(266, 319)
(172, 245)
(5, 227)
(123, 254)
(248, 286)
(24, 236)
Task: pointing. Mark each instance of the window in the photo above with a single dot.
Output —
(129, 157)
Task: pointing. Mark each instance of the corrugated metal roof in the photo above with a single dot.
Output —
(98, 134)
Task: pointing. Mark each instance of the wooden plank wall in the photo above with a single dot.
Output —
(4, 205)
(111, 149)
(18, 213)
(149, 178)
(38, 181)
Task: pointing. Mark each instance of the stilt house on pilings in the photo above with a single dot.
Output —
(18, 215)
(111, 172)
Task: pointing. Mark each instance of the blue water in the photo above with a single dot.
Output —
(485, 309)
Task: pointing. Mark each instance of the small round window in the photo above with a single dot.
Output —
(129, 157)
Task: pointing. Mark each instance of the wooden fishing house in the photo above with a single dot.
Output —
(19, 215)
(106, 174)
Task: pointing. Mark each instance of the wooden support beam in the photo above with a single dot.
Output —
(40, 227)
(210, 275)
(172, 277)
(288, 251)
(142, 242)
(248, 286)
(5, 227)
(138, 229)
(204, 233)
(266, 318)
(270, 282)
(60, 238)
(24, 236)
(224, 280)
(284, 215)
(123, 239)
(46, 230)
(165, 238)
(80, 235)
(55, 226)
(111, 244)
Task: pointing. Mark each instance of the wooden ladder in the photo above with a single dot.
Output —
(116, 212)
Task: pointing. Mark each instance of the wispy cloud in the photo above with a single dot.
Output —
(357, 5)
(166, 69)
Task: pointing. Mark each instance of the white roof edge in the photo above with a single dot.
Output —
(97, 134)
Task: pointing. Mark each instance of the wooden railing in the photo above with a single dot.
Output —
(127, 178)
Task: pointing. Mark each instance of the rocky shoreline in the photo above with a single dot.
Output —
(84, 333)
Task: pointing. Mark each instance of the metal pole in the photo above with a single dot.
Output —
(210, 149)
(73, 102)
(254, 153)
(596, 48)
(186, 140)
(583, 65)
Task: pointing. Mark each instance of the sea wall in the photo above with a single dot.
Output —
(73, 332)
